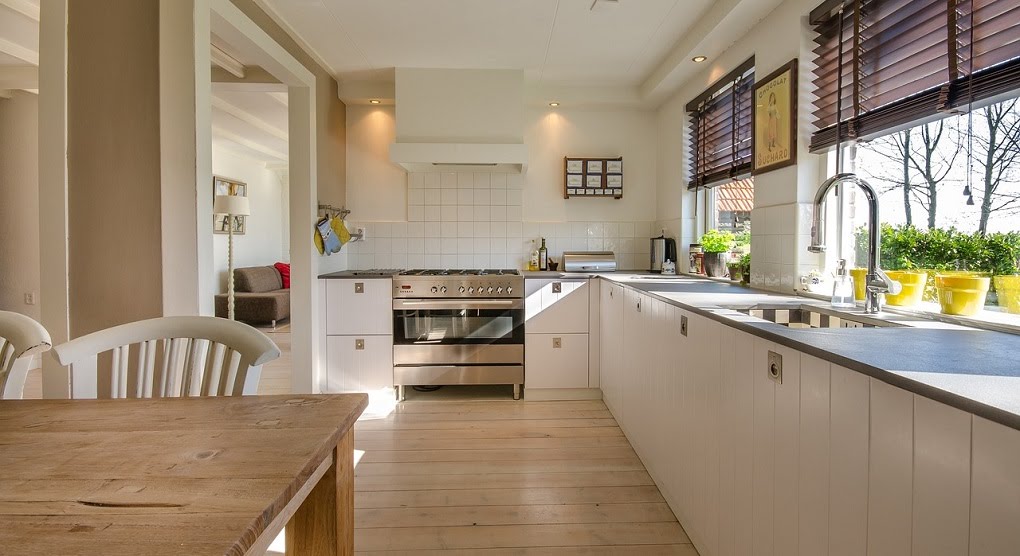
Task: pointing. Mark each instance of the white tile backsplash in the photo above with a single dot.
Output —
(476, 220)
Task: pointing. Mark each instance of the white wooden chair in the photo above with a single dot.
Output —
(20, 339)
(168, 357)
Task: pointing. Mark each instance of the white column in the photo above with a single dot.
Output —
(304, 305)
(53, 229)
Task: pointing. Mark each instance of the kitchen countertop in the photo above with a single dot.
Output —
(969, 369)
(363, 274)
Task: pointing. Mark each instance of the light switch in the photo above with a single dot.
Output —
(557, 343)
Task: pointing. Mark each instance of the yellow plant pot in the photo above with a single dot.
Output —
(961, 294)
(860, 282)
(913, 287)
(1008, 289)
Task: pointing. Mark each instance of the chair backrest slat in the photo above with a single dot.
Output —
(174, 356)
(21, 338)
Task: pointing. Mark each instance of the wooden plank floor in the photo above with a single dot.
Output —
(504, 477)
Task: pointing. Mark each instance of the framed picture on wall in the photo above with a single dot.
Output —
(227, 186)
(775, 119)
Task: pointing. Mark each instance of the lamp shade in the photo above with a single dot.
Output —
(231, 204)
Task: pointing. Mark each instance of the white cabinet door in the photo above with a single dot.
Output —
(814, 456)
(556, 360)
(611, 343)
(359, 363)
(942, 443)
(549, 311)
(359, 306)
(995, 490)
(890, 470)
(848, 462)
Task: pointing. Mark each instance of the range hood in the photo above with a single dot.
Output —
(460, 121)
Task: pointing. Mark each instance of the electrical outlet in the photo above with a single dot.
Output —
(775, 367)
(557, 343)
(683, 325)
(30, 298)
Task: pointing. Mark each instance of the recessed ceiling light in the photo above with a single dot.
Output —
(374, 101)
(554, 104)
(699, 59)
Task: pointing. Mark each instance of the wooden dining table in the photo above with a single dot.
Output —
(178, 476)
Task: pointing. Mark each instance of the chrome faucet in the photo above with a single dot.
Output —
(877, 281)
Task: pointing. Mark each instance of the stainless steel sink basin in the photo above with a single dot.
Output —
(810, 316)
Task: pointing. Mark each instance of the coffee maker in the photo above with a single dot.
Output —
(662, 249)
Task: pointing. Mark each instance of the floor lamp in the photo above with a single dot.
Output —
(232, 206)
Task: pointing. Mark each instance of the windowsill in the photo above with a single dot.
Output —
(985, 320)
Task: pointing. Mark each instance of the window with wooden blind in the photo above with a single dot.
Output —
(908, 60)
(721, 129)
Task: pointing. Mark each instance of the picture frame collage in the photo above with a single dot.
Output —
(593, 177)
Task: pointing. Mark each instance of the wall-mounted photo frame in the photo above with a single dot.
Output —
(228, 186)
(775, 119)
(575, 166)
(614, 166)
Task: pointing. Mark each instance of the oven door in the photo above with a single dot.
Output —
(460, 322)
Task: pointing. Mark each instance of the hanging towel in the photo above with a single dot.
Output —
(317, 238)
(330, 243)
(340, 229)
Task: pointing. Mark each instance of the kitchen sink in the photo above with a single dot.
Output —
(811, 316)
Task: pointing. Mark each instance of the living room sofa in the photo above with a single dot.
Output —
(259, 296)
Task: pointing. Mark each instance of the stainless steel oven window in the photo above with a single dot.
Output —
(446, 325)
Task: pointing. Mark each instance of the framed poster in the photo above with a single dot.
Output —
(775, 119)
(227, 186)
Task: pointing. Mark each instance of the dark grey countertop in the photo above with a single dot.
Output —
(361, 274)
(973, 370)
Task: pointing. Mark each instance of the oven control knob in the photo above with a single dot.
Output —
(509, 290)
(462, 289)
(443, 289)
(499, 289)
(490, 289)
(435, 289)
(471, 290)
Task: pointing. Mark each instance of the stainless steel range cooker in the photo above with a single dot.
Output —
(458, 327)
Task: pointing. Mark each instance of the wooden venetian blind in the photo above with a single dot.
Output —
(905, 60)
(722, 129)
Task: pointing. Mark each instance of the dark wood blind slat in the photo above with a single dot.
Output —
(721, 129)
(906, 60)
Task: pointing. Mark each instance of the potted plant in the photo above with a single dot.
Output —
(716, 244)
(735, 270)
(745, 269)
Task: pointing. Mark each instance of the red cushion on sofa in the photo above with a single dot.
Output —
(284, 269)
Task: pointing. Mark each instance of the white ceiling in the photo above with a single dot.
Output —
(636, 52)
(555, 42)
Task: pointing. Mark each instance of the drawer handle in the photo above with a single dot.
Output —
(359, 344)
(359, 287)
(557, 287)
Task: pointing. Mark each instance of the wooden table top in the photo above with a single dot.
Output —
(174, 476)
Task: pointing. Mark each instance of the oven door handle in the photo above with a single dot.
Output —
(459, 304)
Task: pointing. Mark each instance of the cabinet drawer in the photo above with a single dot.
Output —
(550, 311)
(359, 306)
(556, 361)
(359, 363)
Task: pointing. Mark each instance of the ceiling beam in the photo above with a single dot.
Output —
(248, 118)
(226, 61)
(362, 91)
(254, 76)
(245, 142)
(23, 7)
(19, 52)
(280, 97)
(19, 77)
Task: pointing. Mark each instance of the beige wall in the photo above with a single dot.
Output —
(19, 203)
(331, 113)
(115, 263)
